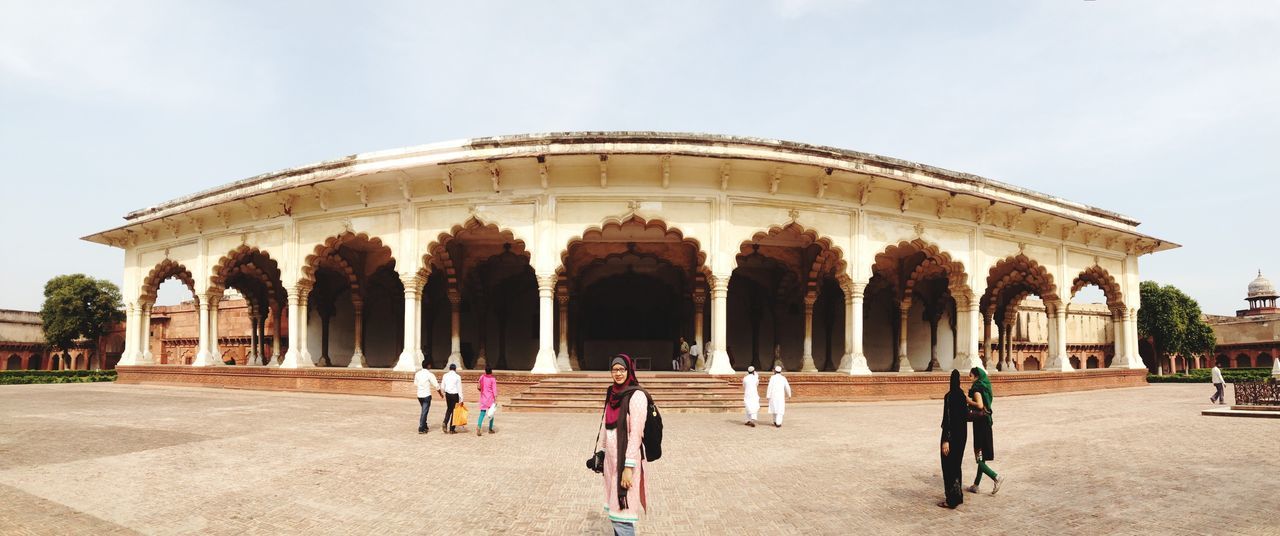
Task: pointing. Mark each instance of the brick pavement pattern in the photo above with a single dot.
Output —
(127, 459)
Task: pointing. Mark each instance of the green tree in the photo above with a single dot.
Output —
(77, 306)
(1173, 321)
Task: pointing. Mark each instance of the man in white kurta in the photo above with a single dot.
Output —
(778, 392)
(751, 395)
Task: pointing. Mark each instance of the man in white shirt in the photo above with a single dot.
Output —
(451, 385)
(1217, 397)
(695, 355)
(426, 383)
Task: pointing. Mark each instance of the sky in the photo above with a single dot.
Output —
(1165, 110)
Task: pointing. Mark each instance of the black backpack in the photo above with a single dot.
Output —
(651, 447)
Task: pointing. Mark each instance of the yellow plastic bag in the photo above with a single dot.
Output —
(460, 415)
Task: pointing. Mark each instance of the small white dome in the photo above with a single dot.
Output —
(1262, 287)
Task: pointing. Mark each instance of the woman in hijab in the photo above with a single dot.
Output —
(751, 395)
(778, 391)
(980, 398)
(955, 433)
(622, 433)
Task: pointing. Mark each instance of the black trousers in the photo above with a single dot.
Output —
(450, 400)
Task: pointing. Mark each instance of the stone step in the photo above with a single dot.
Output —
(1253, 412)
(595, 408)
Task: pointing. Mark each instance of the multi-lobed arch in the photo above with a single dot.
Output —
(829, 262)
(439, 258)
(1012, 279)
(328, 251)
(673, 234)
(160, 273)
(1100, 277)
(887, 264)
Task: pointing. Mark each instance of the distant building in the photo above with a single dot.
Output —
(22, 346)
(1251, 338)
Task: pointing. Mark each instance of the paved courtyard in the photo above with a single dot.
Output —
(117, 459)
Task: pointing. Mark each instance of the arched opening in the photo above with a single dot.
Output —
(1091, 362)
(1095, 310)
(1031, 363)
(259, 292)
(631, 286)
(355, 303)
(1263, 361)
(35, 362)
(169, 285)
(910, 309)
(13, 363)
(1006, 327)
(1242, 361)
(786, 286)
(481, 278)
(1075, 362)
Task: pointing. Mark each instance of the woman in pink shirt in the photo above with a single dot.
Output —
(488, 395)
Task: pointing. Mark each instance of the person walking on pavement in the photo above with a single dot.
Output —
(980, 398)
(426, 383)
(488, 386)
(1218, 384)
(778, 392)
(451, 385)
(751, 395)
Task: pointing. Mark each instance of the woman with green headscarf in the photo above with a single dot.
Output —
(980, 397)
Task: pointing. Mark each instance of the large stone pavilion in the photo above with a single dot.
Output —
(550, 252)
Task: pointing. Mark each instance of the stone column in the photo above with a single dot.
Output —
(215, 349)
(699, 303)
(1058, 358)
(326, 314)
(411, 355)
(719, 325)
(904, 363)
(455, 331)
(1007, 351)
(357, 355)
(144, 328)
(251, 356)
(933, 343)
(297, 356)
(482, 331)
(275, 336)
(807, 364)
(304, 325)
(854, 361)
(986, 340)
(204, 357)
(562, 358)
(545, 361)
(132, 318)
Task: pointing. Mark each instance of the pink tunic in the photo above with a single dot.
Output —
(488, 391)
(637, 411)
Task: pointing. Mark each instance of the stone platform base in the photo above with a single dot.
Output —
(831, 387)
(1263, 412)
(806, 387)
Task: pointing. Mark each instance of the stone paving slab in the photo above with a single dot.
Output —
(126, 459)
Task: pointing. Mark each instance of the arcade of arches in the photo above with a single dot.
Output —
(552, 252)
(629, 285)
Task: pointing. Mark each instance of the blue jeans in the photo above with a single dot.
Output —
(622, 528)
(422, 417)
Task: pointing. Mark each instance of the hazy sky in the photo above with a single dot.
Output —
(1167, 111)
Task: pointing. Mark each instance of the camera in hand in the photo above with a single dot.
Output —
(596, 463)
